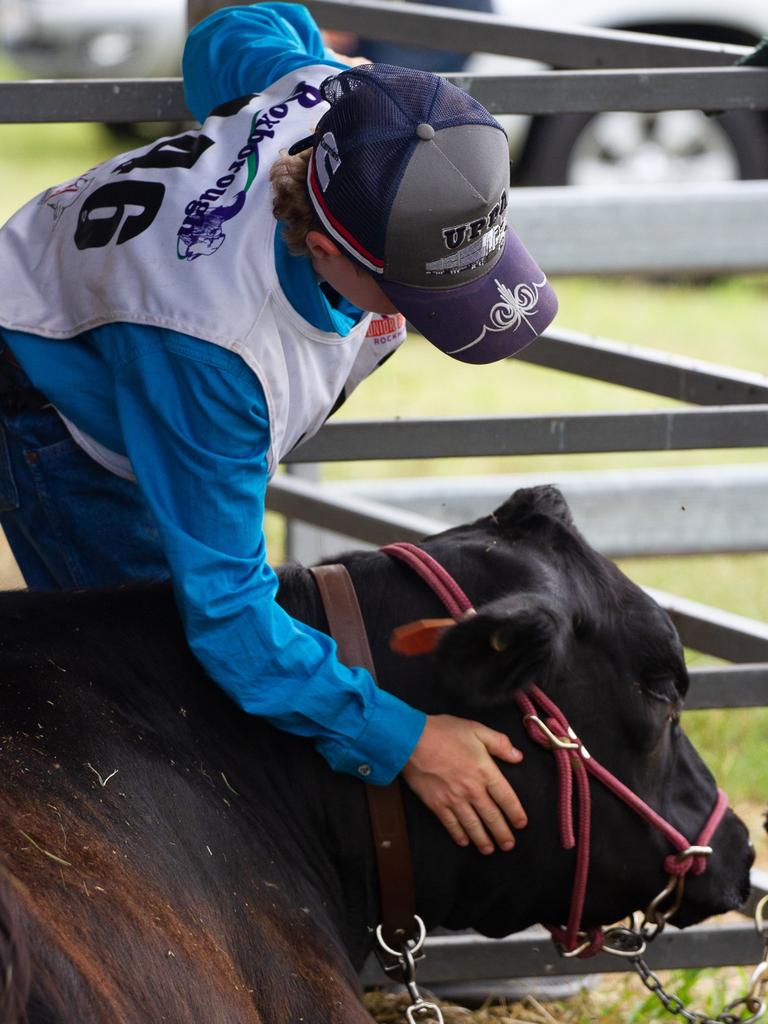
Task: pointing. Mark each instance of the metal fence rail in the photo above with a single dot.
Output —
(546, 92)
(684, 510)
(648, 74)
(469, 31)
(659, 230)
(741, 426)
(646, 369)
(531, 954)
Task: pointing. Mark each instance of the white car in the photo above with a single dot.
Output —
(137, 38)
(94, 38)
(634, 148)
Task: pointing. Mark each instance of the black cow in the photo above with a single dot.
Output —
(165, 857)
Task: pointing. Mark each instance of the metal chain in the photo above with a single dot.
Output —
(631, 940)
(752, 1006)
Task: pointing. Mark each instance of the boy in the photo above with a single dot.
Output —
(164, 347)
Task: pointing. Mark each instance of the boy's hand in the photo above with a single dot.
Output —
(453, 772)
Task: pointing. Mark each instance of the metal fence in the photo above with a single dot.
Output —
(729, 409)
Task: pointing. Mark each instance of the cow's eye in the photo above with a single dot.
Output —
(657, 693)
(669, 699)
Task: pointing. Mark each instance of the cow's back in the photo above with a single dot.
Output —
(147, 867)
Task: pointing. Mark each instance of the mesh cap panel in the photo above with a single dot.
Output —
(375, 111)
(409, 175)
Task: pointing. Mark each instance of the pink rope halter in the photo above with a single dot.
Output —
(547, 725)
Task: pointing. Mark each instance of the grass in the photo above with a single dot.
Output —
(621, 1000)
(722, 322)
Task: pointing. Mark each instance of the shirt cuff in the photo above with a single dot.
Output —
(391, 731)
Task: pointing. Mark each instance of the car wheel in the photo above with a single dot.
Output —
(623, 147)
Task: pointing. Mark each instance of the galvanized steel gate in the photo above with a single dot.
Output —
(729, 409)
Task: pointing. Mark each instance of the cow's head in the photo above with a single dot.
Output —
(552, 611)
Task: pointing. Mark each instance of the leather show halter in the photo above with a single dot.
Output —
(385, 803)
(546, 725)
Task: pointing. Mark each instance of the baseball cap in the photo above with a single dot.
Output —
(409, 176)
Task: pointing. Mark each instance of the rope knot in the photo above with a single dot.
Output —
(679, 864)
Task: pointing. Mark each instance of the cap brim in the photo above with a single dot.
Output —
(488, 319)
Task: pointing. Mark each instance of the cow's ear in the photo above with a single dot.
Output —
(508, 644)
(533, 503)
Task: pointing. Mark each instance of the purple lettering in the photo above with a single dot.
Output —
(306, 95)
(258, 135)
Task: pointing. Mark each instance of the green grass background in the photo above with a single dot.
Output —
(723, 321)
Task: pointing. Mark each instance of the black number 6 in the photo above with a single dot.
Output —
(103, 211)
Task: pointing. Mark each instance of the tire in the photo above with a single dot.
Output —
(559, 148)
(555, 144)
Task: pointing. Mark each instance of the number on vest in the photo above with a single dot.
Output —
(104, 212)
(183, 151)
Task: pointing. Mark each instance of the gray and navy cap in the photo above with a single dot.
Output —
(409, 176)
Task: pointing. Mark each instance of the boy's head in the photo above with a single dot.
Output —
(409, 176)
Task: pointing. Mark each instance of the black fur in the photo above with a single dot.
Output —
(225, 874)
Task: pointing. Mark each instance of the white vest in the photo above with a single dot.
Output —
(180, 234)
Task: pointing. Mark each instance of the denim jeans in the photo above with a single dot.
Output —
(68, 521)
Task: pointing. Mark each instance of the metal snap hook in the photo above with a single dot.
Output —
(656, 918)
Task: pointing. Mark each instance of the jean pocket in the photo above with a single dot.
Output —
(9, 494)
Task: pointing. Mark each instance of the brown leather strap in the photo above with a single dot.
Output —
(385, 803)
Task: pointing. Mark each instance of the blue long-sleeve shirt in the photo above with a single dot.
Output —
(193, 420)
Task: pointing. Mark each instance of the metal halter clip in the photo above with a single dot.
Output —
(569, 742)
(420, 1010)
(655, 917)
(413, 946)
(561, 742)
(624, 940)
(694, 851)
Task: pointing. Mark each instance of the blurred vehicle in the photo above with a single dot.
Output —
(625, 148)
(137, 38)
(94, 38)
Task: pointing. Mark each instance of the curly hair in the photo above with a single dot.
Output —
(291, 204)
